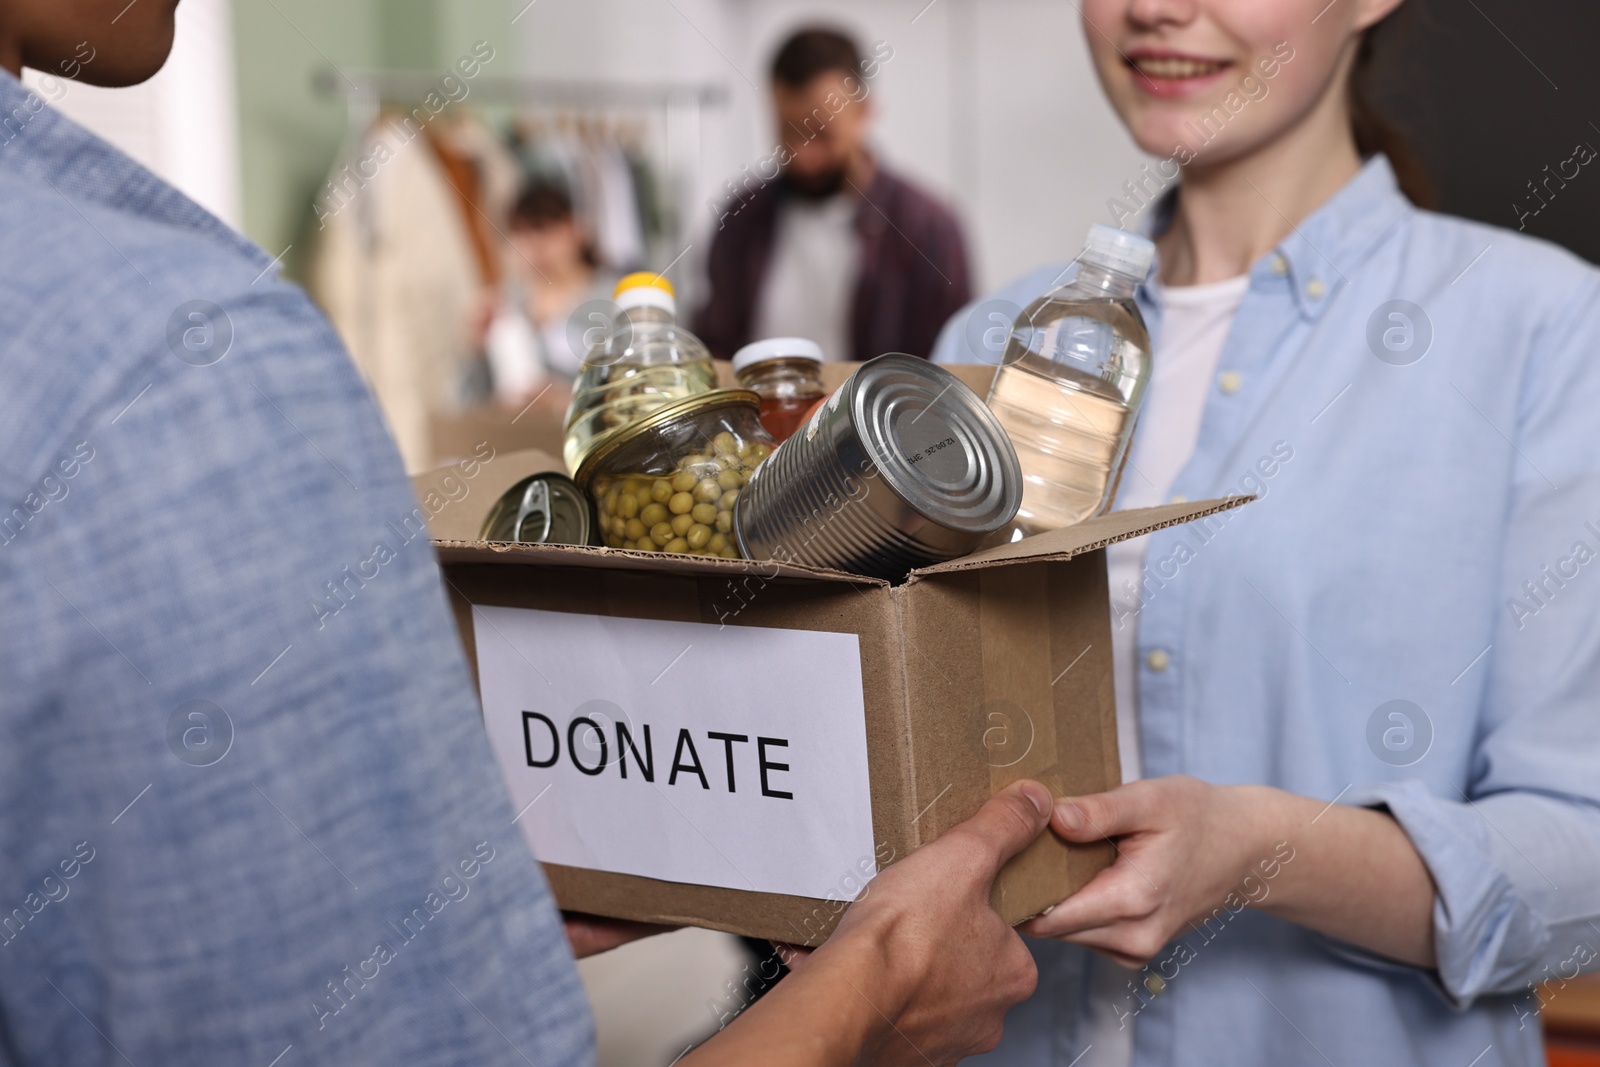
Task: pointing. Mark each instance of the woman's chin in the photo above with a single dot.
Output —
(1164, 135)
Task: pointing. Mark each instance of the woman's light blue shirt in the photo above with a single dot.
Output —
(1408, 616)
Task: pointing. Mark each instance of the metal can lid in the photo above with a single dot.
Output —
(544, 508)
(936, 443)
(602, 450)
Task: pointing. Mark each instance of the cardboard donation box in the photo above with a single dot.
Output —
(742, 745)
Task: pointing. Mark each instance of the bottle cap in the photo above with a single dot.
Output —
(645, 288)
(1118, 250)
(776, 348)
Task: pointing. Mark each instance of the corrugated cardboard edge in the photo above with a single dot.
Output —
(1057, 545)
(688, 904)
(1108, 529)
(456, 499)
(908, 783)
(624, 559)
(1063, 606)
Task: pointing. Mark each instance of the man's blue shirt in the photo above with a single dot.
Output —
(250, 813)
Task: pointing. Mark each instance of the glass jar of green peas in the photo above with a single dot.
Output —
(668, 483)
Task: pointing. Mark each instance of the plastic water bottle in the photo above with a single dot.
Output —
(1071, 382)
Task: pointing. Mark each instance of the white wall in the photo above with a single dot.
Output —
(183, 123)
(991, 103)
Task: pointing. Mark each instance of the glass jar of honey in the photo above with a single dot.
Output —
(786, 373)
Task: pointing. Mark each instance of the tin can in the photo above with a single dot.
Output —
(544, 508)
(902, 467)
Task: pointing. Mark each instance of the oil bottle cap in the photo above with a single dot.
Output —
(1121, 251)
(645, 288)
(776, 348)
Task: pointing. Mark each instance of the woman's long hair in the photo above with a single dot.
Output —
(1373, 131)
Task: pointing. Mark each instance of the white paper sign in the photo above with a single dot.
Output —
(725, 756)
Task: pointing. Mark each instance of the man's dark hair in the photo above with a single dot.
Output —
(813, 51)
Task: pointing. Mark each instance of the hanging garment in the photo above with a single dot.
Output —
(396, 271)
(618, 232)
(496, 180)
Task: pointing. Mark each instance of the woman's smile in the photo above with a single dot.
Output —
(1170, 74)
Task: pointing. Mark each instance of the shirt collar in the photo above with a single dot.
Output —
(1320, 253)
(38, 142)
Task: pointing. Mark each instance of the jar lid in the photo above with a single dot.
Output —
(776, 348)
(607, 447)
(645, 288)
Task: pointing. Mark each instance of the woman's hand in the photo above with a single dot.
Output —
(1184, 849)
(1187, 850)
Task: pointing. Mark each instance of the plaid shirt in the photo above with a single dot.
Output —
(913, 270)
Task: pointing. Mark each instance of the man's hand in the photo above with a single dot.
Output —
(590, 935)
(920, 971)
(1187, 850)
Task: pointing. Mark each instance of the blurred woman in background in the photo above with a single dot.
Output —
(1364, 703)
(535, 340)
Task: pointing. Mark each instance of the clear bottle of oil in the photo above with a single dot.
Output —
(644, 361)
(1071, 382)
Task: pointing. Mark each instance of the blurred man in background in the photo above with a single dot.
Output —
(822, 241)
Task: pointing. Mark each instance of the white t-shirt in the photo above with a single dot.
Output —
(1195, 321)
(811, 279)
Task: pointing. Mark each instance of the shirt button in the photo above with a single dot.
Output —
(1280, 265)
(1157, 660)
(1229, 381)
(1154, 984)
(1315, 288)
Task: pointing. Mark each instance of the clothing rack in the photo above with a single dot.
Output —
(669, 142)
(364, 91)
(410, 84)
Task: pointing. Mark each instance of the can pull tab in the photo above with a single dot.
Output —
(535, 502)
